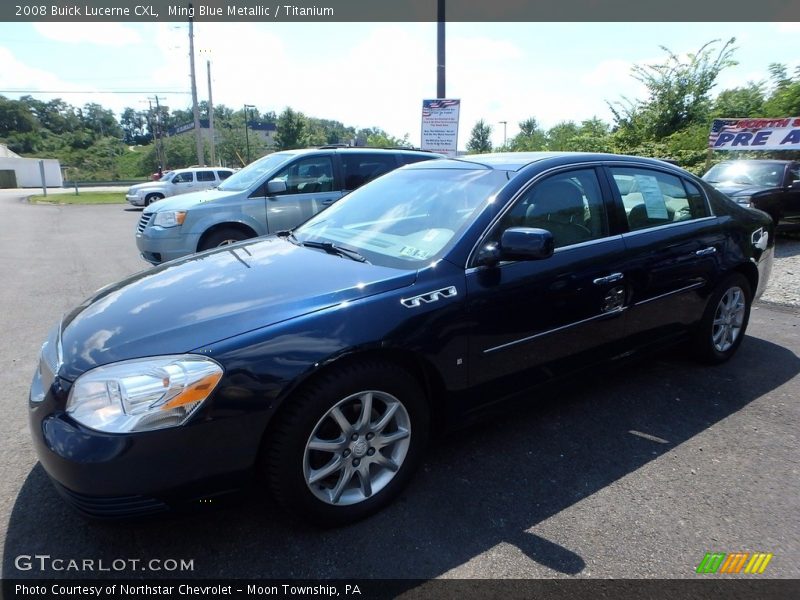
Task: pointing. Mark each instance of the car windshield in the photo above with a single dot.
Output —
(254, 172)
(746, 173)
(406, 217)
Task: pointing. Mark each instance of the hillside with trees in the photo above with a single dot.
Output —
(671, 122)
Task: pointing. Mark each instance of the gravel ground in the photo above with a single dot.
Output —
(784, 282)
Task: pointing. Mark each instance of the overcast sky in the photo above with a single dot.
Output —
(373, 74)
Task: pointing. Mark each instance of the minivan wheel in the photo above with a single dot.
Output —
(150, 198)
(721, 331)
(347, 444)
(222, 237)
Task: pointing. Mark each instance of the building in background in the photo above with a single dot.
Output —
(19, 172)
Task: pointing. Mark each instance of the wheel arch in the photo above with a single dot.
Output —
(750, 272)
(245, 229)
(417, 366)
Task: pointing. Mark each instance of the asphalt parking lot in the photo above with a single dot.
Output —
(634, 473)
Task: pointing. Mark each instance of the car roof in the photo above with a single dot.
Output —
(185, 169)
(361, 149)
(515, 161)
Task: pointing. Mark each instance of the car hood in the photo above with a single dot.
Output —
(738, 189)
(187, 201)
(187, 304)
(147, 185)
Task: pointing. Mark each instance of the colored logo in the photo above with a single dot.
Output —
(735, 562)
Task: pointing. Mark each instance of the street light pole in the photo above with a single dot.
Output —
(440, 53)
(504, 124)
(246, 135)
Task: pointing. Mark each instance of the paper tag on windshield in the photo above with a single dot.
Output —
(654, 201)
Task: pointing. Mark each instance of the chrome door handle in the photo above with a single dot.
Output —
(327, 202)
(609, 279)
(706, 251)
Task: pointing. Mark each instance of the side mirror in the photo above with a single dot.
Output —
(518, 243)
(795, 185)
(276, 187)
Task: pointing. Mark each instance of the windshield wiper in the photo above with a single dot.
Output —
(328, 247)
(332, 248)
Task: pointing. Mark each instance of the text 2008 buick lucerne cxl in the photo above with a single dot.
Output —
(325, 358)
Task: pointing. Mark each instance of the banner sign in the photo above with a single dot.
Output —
(755, 134)
(440, 126)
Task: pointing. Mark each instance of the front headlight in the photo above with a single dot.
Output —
(744, 201)
(169, 218)
(143, 394)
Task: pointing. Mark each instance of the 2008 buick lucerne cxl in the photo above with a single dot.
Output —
(325, 358)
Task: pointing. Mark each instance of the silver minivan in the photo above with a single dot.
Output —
(276, 192)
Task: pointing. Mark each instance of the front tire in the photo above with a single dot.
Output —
(150, 198)
(348, 443)
(222, 237)
(722, 328)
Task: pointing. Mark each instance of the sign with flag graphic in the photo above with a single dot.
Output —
(440, 126)
(755, 134)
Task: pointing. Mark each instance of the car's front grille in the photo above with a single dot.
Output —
(112, 507)
(143, 221)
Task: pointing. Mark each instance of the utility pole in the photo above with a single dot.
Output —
(246, 136)
(198, 135)
(504, 123)
(158, 131)
(440, 54)
(211, 114)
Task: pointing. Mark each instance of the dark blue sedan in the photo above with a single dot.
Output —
(324, 359)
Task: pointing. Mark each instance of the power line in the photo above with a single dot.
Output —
(14, 91)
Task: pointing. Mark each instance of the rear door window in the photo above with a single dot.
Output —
(205, 176)
(653, 198)
(359, 168)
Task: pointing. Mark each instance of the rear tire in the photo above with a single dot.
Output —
(348, 443)
(721, 330)
(222, 237)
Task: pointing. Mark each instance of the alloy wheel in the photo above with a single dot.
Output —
(357, 448)
(728, 319)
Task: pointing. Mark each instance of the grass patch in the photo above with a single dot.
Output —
(82, 198)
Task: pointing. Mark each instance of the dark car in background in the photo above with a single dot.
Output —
(324, 359)
(769, 185)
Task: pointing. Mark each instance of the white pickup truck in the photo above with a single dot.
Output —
(179, 181)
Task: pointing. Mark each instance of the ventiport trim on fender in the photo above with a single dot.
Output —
(429, 297)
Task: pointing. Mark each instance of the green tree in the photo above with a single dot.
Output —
(784, 101)
(381, 139)
(15, 118)
(678, 93)
(745, 101)
(291, 130)
(479, 141)
(562, 136)
(531, 137)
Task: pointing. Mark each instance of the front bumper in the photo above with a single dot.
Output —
(159, 244)
(135, 200)
(123, 475)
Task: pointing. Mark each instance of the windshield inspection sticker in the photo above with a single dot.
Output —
(412, 252)
(654, 201)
